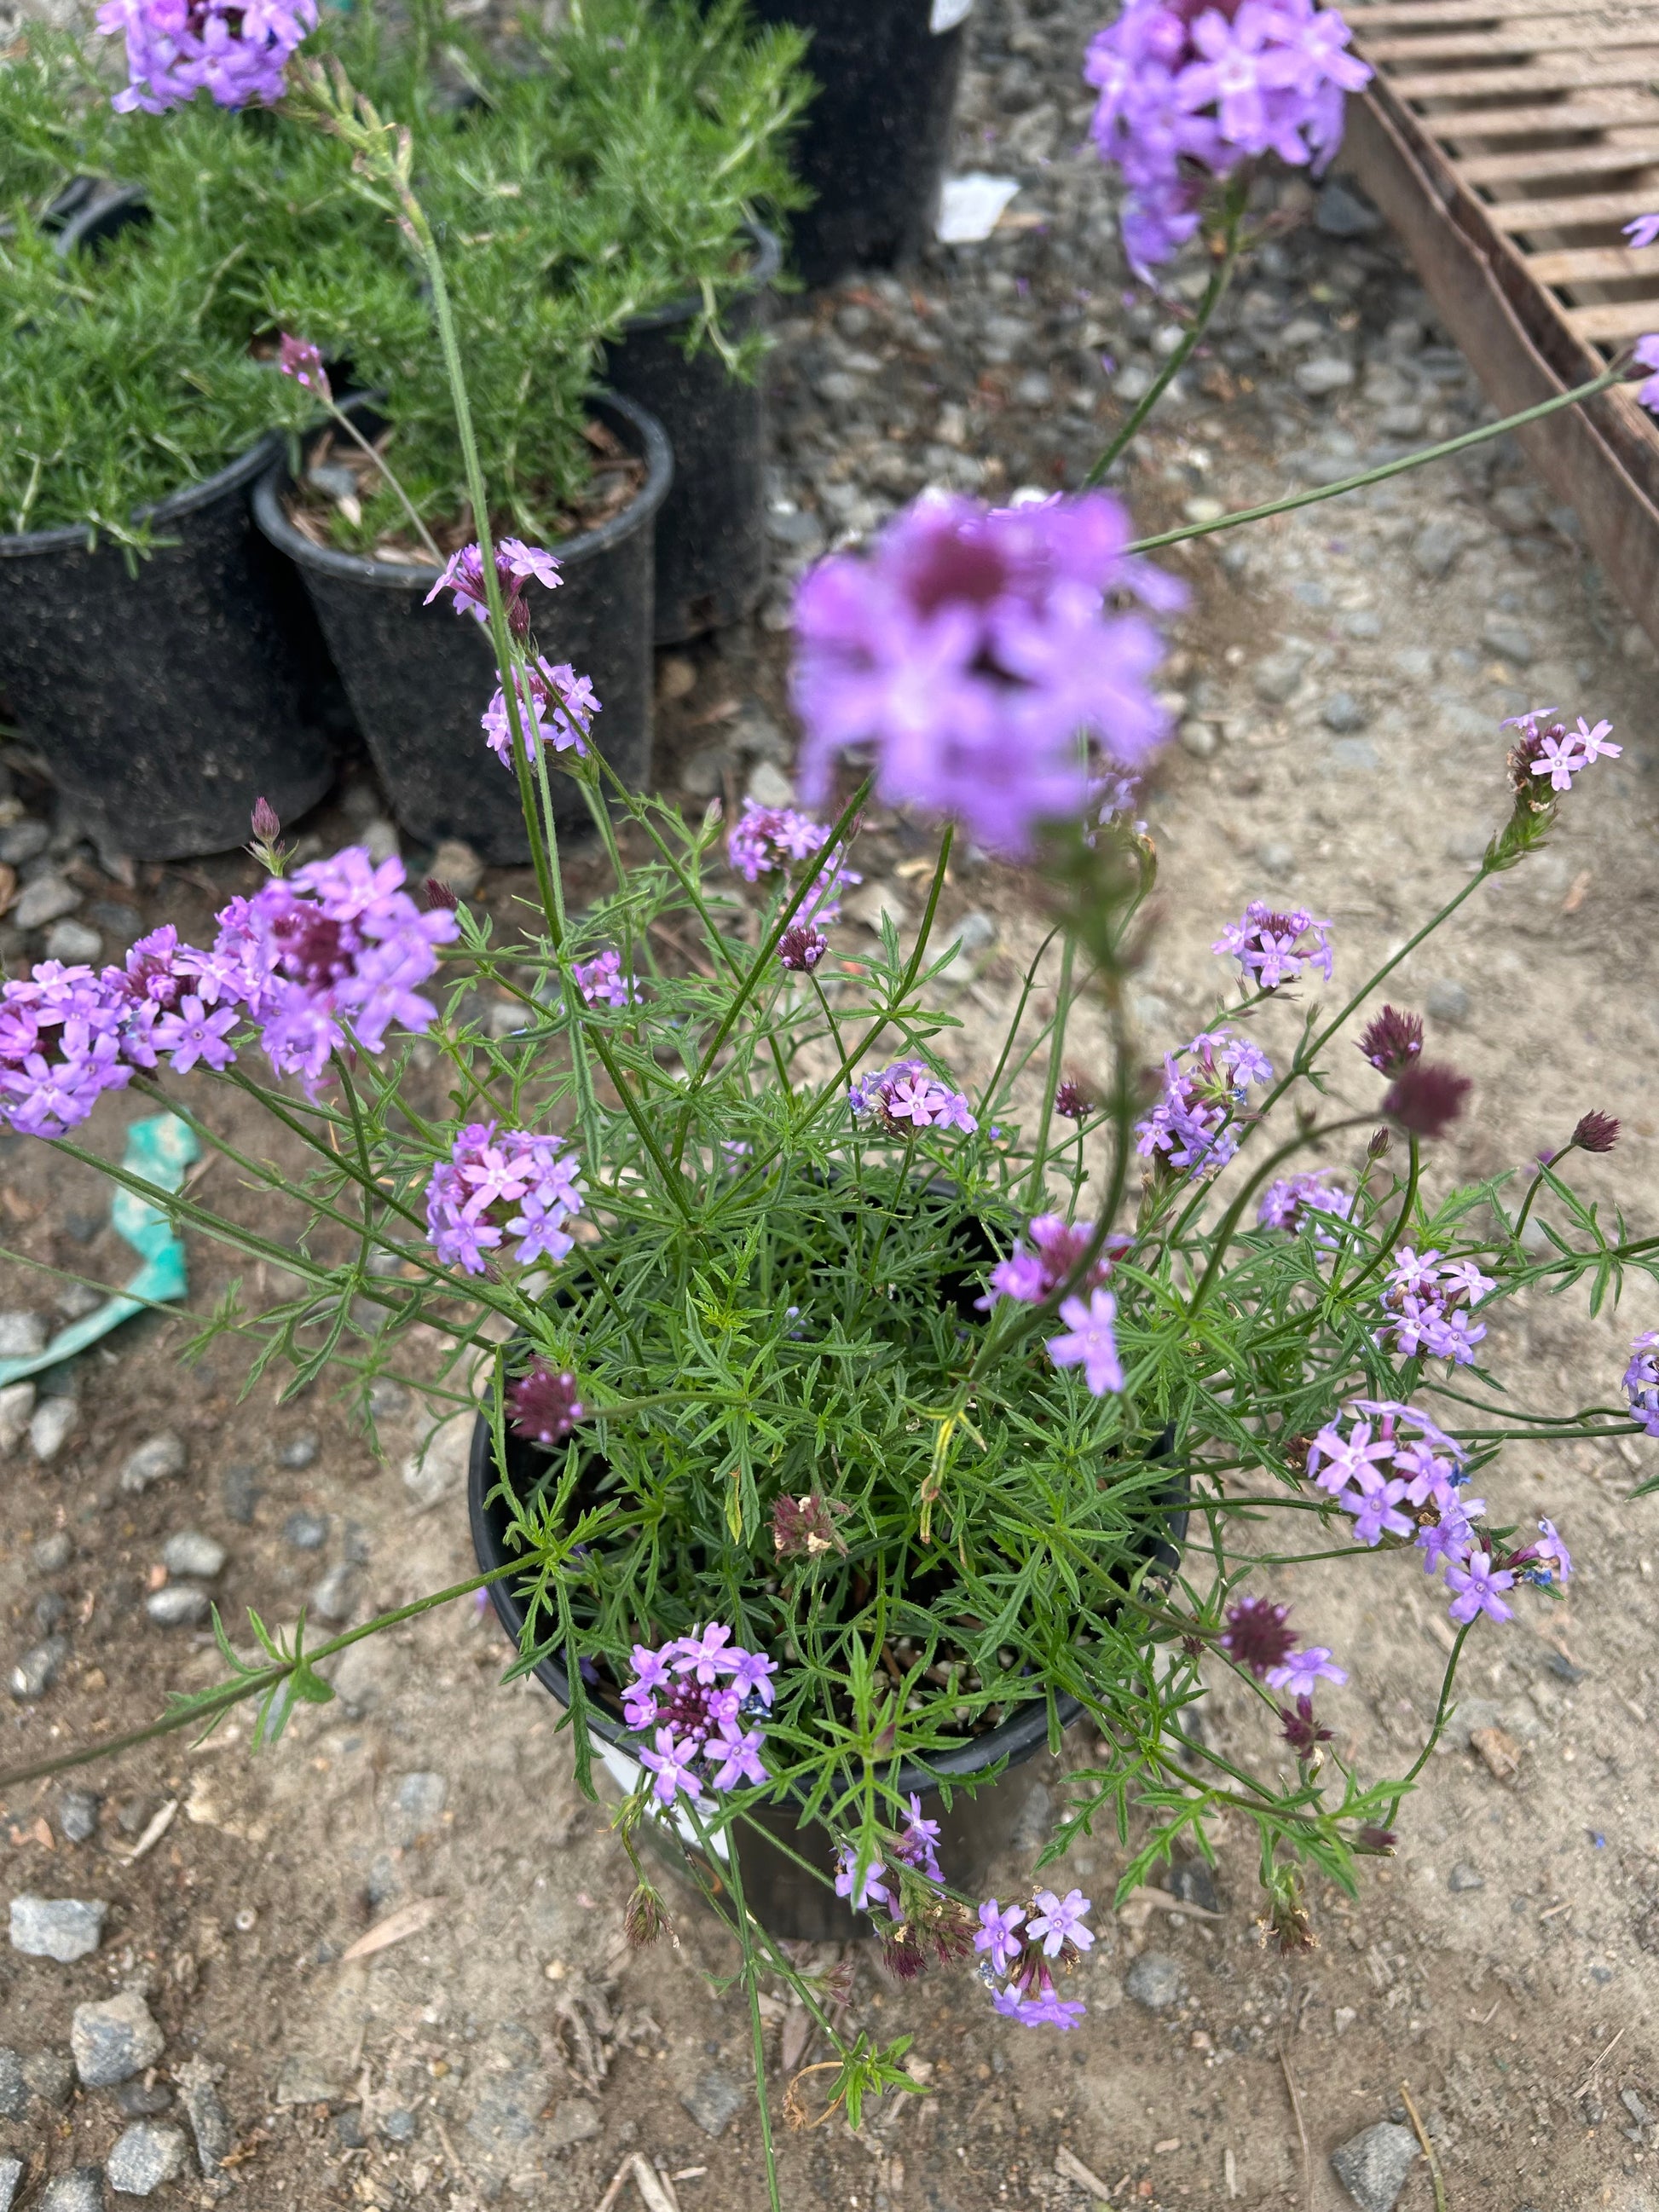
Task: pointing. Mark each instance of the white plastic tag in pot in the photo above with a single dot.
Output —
(947, 13)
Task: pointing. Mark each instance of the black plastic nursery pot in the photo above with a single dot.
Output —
(876, 139)
(419, 677)
(711, 534)
(167, 695)
(789, 1902)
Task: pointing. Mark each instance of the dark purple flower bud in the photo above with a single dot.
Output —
(1379, 1842)
(544, 1407)
(266, 822)
(901, 1954)
(1069, 1102)
(803, 1528)
(1257, 1634)
(801, 947)
(1596, 1132)
(439, 894)
(643, 1918)
(1425, 1100)
(1302, 1732)
(1391, 1040)
(1377, 1143)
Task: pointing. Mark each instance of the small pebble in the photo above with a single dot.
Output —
(11, 2180)
(51, 1427)
(73, 943)
(177, 1606)
(113, 2039)
(239, 1488)
(145, 2155)
(80, 2190)
(16, 1410)
(306, 1532)
(1463, 1876)
(713, 2102)
(190, 1553)
(14, 2090)
(53, 1553)
(417, 1807)
(299, 1451)
(455, 863)
(1447, 1002)
(23, 840)
(47, 899)
(75, 1301)
(333, 1598)
(77, 1815)
(143, 2100)
(397, 2126)
(1154, 1981)
(61, 1928)
(154, 1461)
(1372, 2167)
(50, 2076)
(205, 2108)
(21, 1336)
(1344, 714)
(38, 1669)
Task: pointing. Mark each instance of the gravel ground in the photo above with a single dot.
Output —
(1340, 676)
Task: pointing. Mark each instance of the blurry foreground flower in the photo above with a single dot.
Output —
(1090, 1342)
(1056, 1247)
(973, 648)
(1294, 1202)
(1646, 355)
(236, 50)
(1426, 1100)
(301, 360)
(543, 1406)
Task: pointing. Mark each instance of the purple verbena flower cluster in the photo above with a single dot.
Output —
(1089, 1342)
(974, 649)
(1021, 1948)
(1551, 749)
(1275, 948)
(916, 1846)
(1189, 89)
(236, 50)
(696, 1694)
(303, 361)
(1295, 1201)
(1056, 1246)
(1641, 1378)
(1431, 1298)
(908, 1097)
(516, 564)
(601, 980)
(543, 1406)
(556, 707)
(774, 840)
(1646, 355)
(502, 1183)
(1194, 1125)
(61, 1048)
(1259, 1638)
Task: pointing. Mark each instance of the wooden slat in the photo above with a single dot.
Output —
(1548, 36)
(1562, 161)
(1390, 14)
(1594, 264)
(1526, 122)
(1637, 67)
(1621, 320)
(1586, 211)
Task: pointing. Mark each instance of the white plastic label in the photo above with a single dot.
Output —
(947, 13)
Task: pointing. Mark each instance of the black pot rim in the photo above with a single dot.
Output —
(1014, 1739)
(396, 576)
(767, 264)
(177, 504)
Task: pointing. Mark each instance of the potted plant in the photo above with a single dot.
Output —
(839, 1428)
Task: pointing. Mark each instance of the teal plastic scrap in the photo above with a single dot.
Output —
(162, 1150)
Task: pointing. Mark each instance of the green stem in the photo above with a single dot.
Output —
(1057, 1050)
(732, 1868)
(379, 459)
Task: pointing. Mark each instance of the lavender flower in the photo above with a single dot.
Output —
(774, 840)
(556, 707)
(1090, 1342)
(1194, 1127)
(194, 1034)
(500, 1184)
(1023, 1946)
(698, 1719)
(301, 360)
(543, 1406)
(60, 1049)
(1646, 355)
(1476, 1585)
(1641, 1377)
(801, 947)
(908, 1097)
(996, 1934)
(1059, 1921)
(1391, 1040)
(1302, 1672)
(1188, 91)
(1430, 1299)
(1056, 1247)
(601, 981)
(1555, 752)
(918, 1843)
(872, 1890)
(1642, 232)
(1295, 1201)
(1273, 949)
(236, 50)
(973, 648)
(516, 565)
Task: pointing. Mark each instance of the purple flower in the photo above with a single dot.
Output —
(973, 648)
(908, 1097)
(1429, 1298)
(1595, 1132)
(60, 1049)
(1090, 1343)
(1646, 355)
(516, 564)
(751, 1674)
(301, 360)
(1550, 1549)
(601, 982)
(1392, 1039)
(1303, 1671)
(1299, 1201)
(1641, 1376)
(194, 1033)
(1049, 2010)
(677, 1691)
(871, 1891)
(652, 1667)
(236, 50)
(1059, 1245)
(774, 840)
(740, 1759)
(1642, 232)
(997, 1934)
(702, 1655)
(1424, 1100)
(801, 947)
(1258, 1634)
(1354, 1458)
(556, 707)
(1273, 949)
(1593, 743)
(1476, 1584)
(1194, 1127)
(1376, 1513)
(671, 1764)
(1557, 752)
(1059, 1921)
(1451, 1538)
(1070, 1103)
(917, 1846)
(509, 1182)
(543, 1406)
(1300, 1730)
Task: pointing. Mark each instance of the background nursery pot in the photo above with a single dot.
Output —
(711, 534)
(419, 677)
(874, 143)
(788, 1902)
(167, 693)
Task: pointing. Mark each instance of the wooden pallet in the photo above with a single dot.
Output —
(1509, 142)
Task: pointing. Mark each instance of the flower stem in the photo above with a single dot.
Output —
(379, 459)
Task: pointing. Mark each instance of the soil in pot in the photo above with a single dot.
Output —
(874, 144)
(419, 678)
(711, 534)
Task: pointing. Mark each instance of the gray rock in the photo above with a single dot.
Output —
(1347, 754)
(48, 898)
(14, 2090)
(1323, 374)
(1132, 384)
(50, 2076)
(1276, 860)
(714, 2101)
(177, 1606)
(575, 2120)
(21, 1336)
(80, 2190)
(1192, 1882)
(1447, 1002)
(16, 1410)
(1435, 548)
(1509, 640)
(205, 2108)
(61, 1928)
(456, 864)
(1372, 2167)
(305, 2081)
(387, 1399)
(11, 2180)
(1198, 738)
(306, 1532)
(1344, 714)
(38, 1669)
(145, 2155)
(155, 1460)
(49, 1610)
(769, 785)
(143, 2100)
(516, 2089)
(53, 1553)
(239, 1487)
(113, 2039)
(76, 1300)
(51, 1427)
(1277, 677)
(417, 1807)
(795, 529)
(1035, 390)
(23, 840)
(397, 2125)
(334, 1597)
(73, 943)
(1343, 211)
(1153, 1981)
(190, 1553)
(299, 1451)
(1517, 508)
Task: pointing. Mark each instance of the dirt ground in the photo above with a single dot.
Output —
(509, 2047)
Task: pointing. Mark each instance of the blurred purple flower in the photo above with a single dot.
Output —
(543, 1406)
(516, 564)
(301, 360)
(236, 50)
(766, 840)
(1090, 1342)
(1275, 948)
(556, 707)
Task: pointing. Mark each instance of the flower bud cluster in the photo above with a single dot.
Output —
(774, 840)
(498, 1183)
